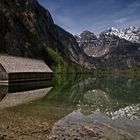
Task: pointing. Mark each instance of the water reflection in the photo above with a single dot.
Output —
(15, 94)
(101, 107)
(111, 94)
(104, 108)
(105, 94)
(27, 86)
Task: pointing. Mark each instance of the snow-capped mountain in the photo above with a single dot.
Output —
(98, 46)
(131, 34)
(116, 48)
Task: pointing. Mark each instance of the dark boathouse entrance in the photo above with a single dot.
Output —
(15, 69)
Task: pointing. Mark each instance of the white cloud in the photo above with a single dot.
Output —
(121, 20)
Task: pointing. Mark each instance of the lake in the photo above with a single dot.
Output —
(71, 108)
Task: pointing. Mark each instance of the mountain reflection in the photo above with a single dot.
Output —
(106, 94)
(104, 107)
(110, 103)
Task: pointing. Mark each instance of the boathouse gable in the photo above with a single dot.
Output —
(23, 69)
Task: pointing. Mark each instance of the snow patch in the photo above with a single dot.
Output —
(131, 34)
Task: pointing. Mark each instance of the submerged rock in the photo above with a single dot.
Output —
(76, 126)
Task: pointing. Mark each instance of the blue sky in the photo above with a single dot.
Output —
(94, 15)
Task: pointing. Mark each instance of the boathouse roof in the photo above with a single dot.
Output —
(13, 64)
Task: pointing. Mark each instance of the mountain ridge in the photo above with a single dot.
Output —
(131, 33)
(28, 30)
(112, 49)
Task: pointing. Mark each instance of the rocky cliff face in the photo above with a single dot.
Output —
(87, 42)
(23, 23)
(114, 48)
(27, 29)
(122, 55)
(72, 49)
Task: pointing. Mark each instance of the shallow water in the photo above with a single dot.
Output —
(71, 108)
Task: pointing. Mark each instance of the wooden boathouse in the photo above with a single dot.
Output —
(15, 69)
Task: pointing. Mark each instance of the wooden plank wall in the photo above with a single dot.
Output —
(3, 74)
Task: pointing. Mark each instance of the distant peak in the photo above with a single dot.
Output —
(86, 31)
(113, 28)
(131, 33)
